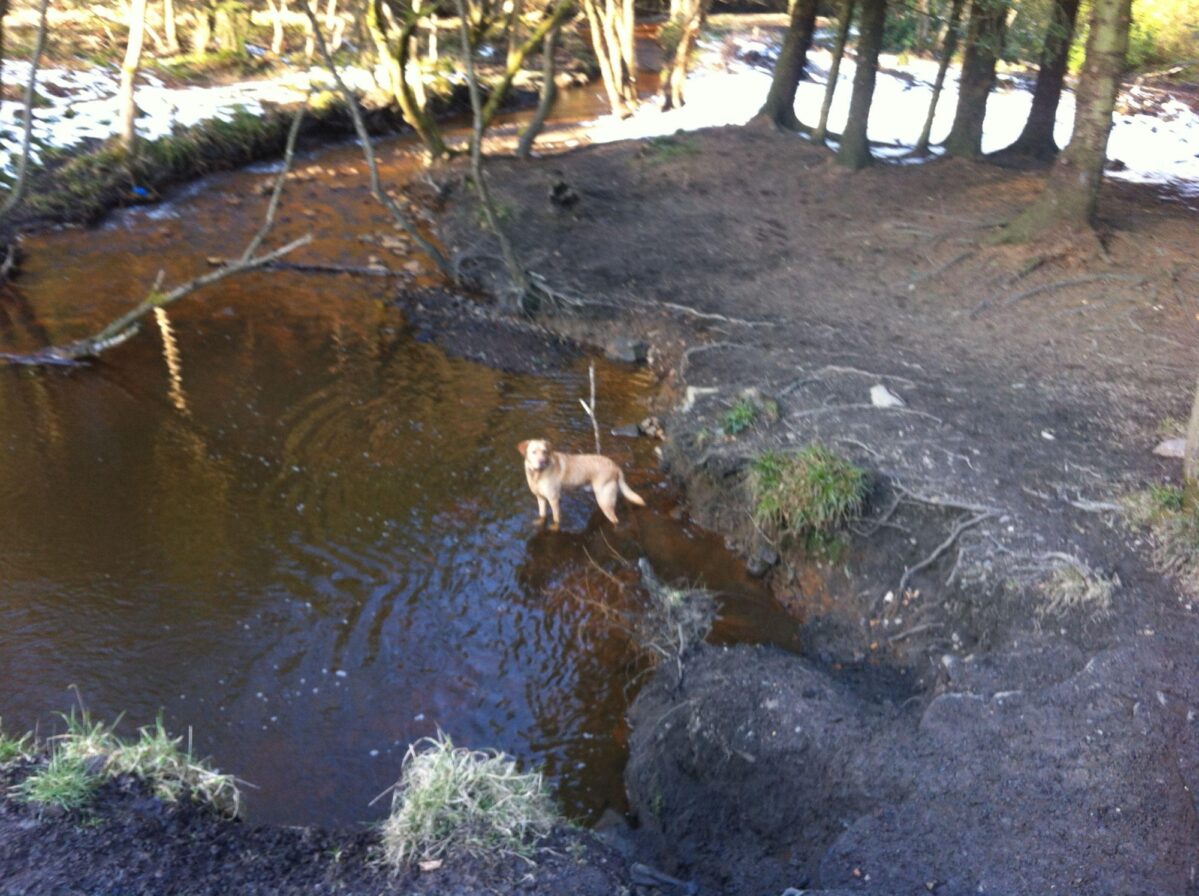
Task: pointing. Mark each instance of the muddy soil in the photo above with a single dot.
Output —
(130, 842)
(964, 733)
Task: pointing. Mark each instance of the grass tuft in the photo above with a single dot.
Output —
(1075, 588)
(454, 801)
(808, 494)
(1175, 529)
(13, 748)
(668, 148)
(739, 417)
(91, 752)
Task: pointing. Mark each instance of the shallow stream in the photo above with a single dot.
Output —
(303, 533)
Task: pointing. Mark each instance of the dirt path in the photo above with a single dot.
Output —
(962, 734)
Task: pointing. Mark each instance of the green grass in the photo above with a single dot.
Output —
(13, 748)
(1175, 529)
(88, 753)
(808, 494)
(667, 149)
(65, 782)
(739, 417)
(454, 801)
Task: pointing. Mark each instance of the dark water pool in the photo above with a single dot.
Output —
(304, 534)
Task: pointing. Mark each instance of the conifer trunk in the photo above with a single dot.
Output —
(779, 107)
(1036, 140)
(855, 147)
(984, 42)
(834, 71)
(1071, 195)
(948, 47)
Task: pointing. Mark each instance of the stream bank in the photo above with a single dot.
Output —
(976, 730)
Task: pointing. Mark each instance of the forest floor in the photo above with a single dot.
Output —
(980, 729)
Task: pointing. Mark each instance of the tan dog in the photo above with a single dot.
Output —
(551, 472)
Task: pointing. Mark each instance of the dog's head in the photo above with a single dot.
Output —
(536, 453)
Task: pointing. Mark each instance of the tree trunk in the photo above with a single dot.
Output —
(202, 31)
(549, 90)
(395, 61)
(834, 72)
(1036, 140)
(855, 147)
(129, 67)
(1190, 458)
(681, 32)
(278, 11)
(232, 24)
(170, 30)
(611, 27)
(779, 107)
(948, 48)
(984, 42)
(3, 16)
(512, 35)
(1071, 195)
(555, 19)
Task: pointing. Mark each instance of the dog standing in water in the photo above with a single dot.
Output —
(551, 472)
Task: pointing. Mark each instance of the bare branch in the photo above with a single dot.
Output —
(18, 188)
(368, 152)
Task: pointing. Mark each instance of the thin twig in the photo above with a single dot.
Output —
(941, 548)
(368, 153)
(18, 188)
(590, 408)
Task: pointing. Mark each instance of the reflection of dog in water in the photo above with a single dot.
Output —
(551, 472)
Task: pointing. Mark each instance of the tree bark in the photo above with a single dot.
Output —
(686, 19)
(1190, 458)
(834, 71)
(779, 107)
(394, 58)
(1071, 195)
(984, 43)
(554, 20)
(855, 147)
(611, 25)
(129, 68)
(549, 91)
(170, 30)
(1036, 140)
(948, 48)
(278, 11)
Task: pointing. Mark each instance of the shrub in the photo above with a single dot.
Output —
(809, 494)
(454, 801)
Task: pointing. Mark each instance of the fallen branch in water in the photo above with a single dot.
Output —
(318, 268)
(126, 326)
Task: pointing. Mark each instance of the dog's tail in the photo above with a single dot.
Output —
(629, 494)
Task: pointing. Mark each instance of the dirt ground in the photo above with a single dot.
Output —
(962, 734)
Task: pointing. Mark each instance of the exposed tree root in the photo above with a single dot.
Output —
(1054, 286)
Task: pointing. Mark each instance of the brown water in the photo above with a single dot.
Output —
(304, 534)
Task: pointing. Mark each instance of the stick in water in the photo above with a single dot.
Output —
(590, 408)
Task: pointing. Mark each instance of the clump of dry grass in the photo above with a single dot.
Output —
(1175, 529)
(89, 753)
(673, 620)
(455, 801)
(1072, 587)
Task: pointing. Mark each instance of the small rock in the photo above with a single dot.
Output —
(882, 397)
(631, 351)
(651, 427)
(1171, 448)
(762, 560)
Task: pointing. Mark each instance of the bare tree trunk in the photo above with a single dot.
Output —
(202, 30)
(310, 34)
(834, 72)
(549, 91)
(334, 25)
(278, 11)
(948, 47)
(779, 107)
(854, 151)
(22, 177)
(1036, 140)
(1190, 457)
(395, 58)
(3, 15)
(513, 30)
(985, 35)
(129, 68)
(555, 19)
(686, 19)
(1071, 195)
(611, 25)
(922, 42)
(170, 31)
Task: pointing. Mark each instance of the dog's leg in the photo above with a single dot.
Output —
(554, 510)
(605, 496)
(541, 505)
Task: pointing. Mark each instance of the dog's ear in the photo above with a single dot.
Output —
(523, 447)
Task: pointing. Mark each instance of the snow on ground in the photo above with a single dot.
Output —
(732, 77)
(727, 87)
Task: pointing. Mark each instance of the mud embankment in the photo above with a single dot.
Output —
(956, 724)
